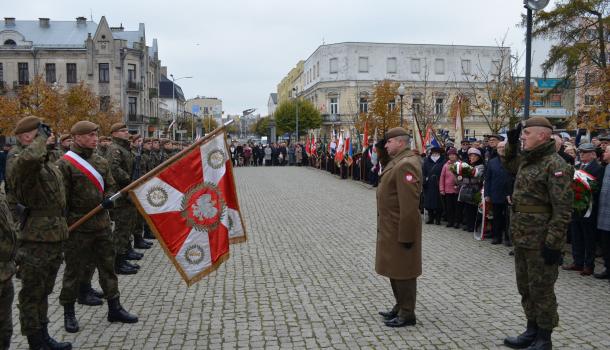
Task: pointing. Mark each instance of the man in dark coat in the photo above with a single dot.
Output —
(463, 152)
(496, 179)
(432, 167)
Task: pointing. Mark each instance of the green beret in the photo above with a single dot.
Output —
(65, 137)
(398, 131)
(83, 127)
(538, 121)
(26, 124)
(117, 126)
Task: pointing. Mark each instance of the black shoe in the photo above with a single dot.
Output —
(35, 341)
(50, 343)
(543, 340)
(140, 243)
(429, 222)
(457, 226)
(130, 264)
(133, 255)
(397, 322)
(86, 296)
(116, 313)
(524, 339)
(121, 269)
(496, 241)
(70, 321)
(388, 315)
(602, 275)
(149, 235)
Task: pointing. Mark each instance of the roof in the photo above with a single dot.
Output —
(274, 97)
(165, 89)
(132, 36)
(58, 34)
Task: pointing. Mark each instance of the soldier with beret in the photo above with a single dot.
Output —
(88, 182)
(155, 155)
(139, 168)
(542, 206)
(8, 247)
(65, 141)
(37, 193)
(398, 254)
(102, 147)
(124, 213)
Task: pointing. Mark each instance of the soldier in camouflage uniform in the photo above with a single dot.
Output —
(8, 246)
(91, 242)
(155, 155)
(102, 147)
(139, 168)
(37, 184)
(121, 164)
(148, 164)
(542, 205)
(166, 150)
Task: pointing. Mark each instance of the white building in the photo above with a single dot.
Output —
(272, 103)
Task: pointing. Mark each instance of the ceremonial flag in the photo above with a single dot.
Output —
(191, 205)
(347, 147)
(307, 146)
(417, 138)
(365, 140)
(339, 152)
(459, 124)
(313, 144)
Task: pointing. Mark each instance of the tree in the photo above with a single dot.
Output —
(383, 111)
(209, 123)
(285, 117)
(580, 30)
(261, 127)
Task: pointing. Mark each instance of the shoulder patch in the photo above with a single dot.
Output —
(558, 174)
(409, 178)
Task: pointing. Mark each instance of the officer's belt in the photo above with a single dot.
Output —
(48, 213)
(532, 209)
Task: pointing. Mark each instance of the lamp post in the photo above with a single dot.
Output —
(401, 93)
(174, 80)
(530, 5)
(294, 89)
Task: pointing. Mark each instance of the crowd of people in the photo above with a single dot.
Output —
(274, 154)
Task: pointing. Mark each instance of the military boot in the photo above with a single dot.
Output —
(50, 343)
(121, 269)
(141, 243)
(86, 296)
(35, 341)
(116, 313)
(524, 339)
(148, 233)
(70, 321)
(133, 255)
(543, 340)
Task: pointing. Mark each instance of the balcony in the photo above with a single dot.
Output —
(331, 118)
(134, 86)
(137, 119)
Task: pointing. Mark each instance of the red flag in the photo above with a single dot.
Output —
(307, 146)
(365, 141)
(192, 207)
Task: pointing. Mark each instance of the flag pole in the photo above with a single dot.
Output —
(149, 174)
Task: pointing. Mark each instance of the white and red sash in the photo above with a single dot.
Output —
(93, 175)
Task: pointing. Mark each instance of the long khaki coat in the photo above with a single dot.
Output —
(398, 218)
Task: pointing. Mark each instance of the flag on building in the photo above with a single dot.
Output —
(191, 205)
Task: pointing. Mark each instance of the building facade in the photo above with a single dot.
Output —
(204, 107)
(115, 63)
(271, 103)
(290, 84)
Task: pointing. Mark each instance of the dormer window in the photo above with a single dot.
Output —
(10, 42)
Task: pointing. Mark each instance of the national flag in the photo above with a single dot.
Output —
(459, 123)
(365, 139)
(339, 152)
(191, 205)
(347, 146)
(350, 154)
(307, 146)
(313, 144)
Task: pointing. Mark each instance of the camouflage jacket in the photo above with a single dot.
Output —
(8, 241)
(146, 162)
(542, 180)
(121, 165)
(155, 158)
(37, 183)
(54, 153)
(82, 195)
(102, 150)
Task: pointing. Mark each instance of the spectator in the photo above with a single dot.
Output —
(449, 190)
(603, 217)
(496, 179)
(298, 154)
(463, 152)
(247, 154)
(268, 153)
(470, 187)
(432, 167)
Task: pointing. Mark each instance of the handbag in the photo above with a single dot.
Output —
(466, 194)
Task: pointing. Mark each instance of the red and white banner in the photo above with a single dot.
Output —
(191, 205)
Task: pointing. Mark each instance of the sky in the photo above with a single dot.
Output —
(239, 50)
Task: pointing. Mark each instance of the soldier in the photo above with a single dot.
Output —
(398, 253)
(542, 206)
(8, 246)
(102, 148)
(88, 181)
(139, 168)
(166, 149)
(65, 142)
(36, 187)
(155, 153)
(121, 164)
(52, 150)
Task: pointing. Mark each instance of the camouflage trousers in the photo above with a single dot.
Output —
(124, 222)
(38, 266)
(7, 294)
(83, 250)
(536, 284)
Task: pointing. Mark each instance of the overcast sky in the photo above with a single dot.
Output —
(239, 50)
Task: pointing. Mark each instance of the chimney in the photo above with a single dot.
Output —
(81, 20)
(44, 22)
(9, 21)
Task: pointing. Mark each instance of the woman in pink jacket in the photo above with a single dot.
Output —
(449, 190)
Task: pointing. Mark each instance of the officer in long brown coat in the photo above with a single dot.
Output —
(398, 254)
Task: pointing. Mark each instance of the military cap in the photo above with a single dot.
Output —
(104, 138)
(154, 139)
(117, 126)
(83, 127)
(604, 137)
(586, 147)
(26, 124)
(473, 150)
(164, 141)
(134, 137)
(496, 136)
(464, 141)
(147, 140)
(65, 137)
(538, 121)
(394, 132)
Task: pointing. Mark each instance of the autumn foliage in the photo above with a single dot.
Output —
(380, 116)
(60, 108)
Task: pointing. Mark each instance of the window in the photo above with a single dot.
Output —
(334, 105)
(589, 100)
(131, 72)
(334, 65)
(104, 103)
(24, 74)
(555, 100)
(438, 106)
(439, 66)
(391, 105)
(495, 107)
(415, 65)
(49, 70)
(133, 106)
(363, 64)
(364, 105)
(465, 67)
(318, 68)
(104, 72)
(10, 42)
(416, 105)
(391, 65)
(495, 68)
(71, 73)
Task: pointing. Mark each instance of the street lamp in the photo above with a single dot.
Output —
(530, 5)
(294, 89)
(174, 80)
(401, 93)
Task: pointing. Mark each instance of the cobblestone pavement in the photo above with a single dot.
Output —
(306, 279)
